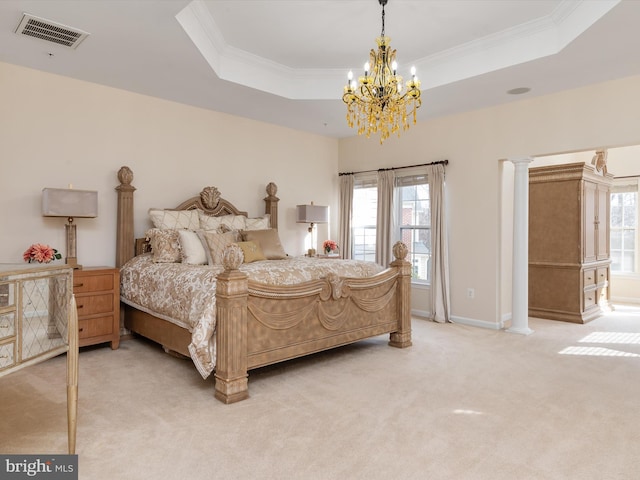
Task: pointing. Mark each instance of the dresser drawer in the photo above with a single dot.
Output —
(7, 355)
(602, 276)
(94, 327)
(590, 298)
(94, 304)
(7, 296)
(589, 276)
(92, 283)
(7, 325)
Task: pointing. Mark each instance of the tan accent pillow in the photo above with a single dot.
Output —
(215, 244)
(193, 252)
(252, 251)
(268, 240)
(165, 245)
(261, 223)
(177, 219)
(233, 222)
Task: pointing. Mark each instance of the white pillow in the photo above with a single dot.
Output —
(177, 219)
(261, 223)
(192, 250)
(232, 222)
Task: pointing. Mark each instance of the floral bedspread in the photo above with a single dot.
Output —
(185, 294)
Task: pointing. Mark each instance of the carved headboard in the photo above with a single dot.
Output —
(209, 200)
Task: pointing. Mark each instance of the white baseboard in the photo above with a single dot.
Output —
(420, 313)
(626, 300)
(472, 322)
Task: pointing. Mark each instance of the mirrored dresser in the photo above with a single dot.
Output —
(38, 320)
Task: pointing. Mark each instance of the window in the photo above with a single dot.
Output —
(624, 227)
(412, 216)
(414, 220)
(363, 222)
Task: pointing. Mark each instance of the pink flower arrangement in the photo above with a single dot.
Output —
(40, 253)
(329, 246)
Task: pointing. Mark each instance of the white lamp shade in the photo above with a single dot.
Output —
(312, 214)
(69, 202)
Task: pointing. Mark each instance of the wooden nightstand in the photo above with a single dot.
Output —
(97, 291)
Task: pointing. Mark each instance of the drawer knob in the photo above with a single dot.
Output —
(80, 306)
(81, 329)
(78, 285)
(588, 278)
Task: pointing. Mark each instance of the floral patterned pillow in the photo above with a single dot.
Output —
(165, 245)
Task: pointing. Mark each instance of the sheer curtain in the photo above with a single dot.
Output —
(440, 294)
(346, 208)
(386, 218)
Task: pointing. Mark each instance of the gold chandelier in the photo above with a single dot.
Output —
(377, 103)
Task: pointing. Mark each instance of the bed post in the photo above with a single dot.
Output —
(402, 337)
(232, 292)
(271, 204)
(124, 228)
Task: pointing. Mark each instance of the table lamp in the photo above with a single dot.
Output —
(70, 203)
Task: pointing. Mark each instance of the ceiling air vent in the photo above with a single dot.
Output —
(50, 31)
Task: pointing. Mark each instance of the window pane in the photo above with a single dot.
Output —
(628, 261)
(616, 213)
(616, 260)
(616, 240)
(363, 230)
(623, 237)
(414, 217)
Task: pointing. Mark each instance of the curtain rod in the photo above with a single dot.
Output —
(441, 162)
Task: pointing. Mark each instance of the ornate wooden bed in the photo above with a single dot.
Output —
(260, 324)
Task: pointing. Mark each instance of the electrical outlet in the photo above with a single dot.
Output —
(471, 293)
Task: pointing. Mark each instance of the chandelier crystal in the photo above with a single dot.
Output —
(377, 102)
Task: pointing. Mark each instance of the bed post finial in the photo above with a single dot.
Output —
(271, 204)
(401, 338)
(125, 240)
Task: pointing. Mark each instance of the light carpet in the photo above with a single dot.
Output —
(461, 403)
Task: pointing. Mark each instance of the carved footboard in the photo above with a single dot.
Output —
(260, 324)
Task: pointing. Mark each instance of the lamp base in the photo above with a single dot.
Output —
(73, 262)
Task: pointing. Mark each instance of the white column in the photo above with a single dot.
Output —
(520, 281)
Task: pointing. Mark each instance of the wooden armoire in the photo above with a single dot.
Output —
(569, 260)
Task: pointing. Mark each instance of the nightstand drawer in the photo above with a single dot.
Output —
(97, 291)
(94, 304)
(92, 283)
(95, 327)
(7, 356)
(7, 325)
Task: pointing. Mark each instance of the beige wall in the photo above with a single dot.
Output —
(603, 115)
(55, 131)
